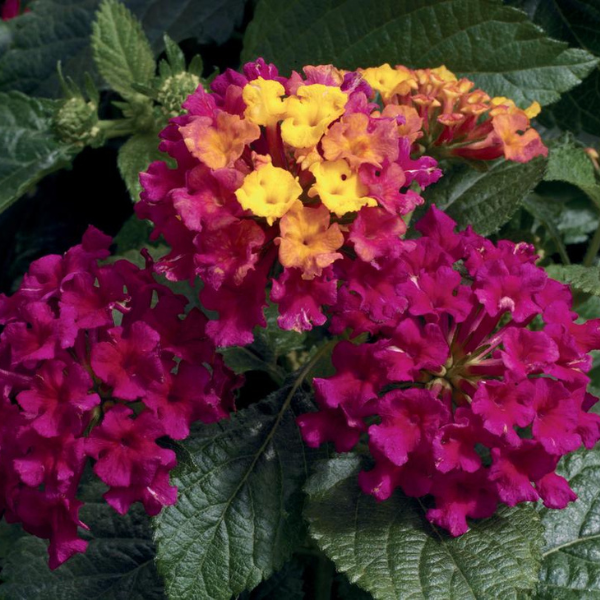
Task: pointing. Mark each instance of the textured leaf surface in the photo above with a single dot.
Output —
(118, 564)
(391, 551)
(585, 279)
(121, 49)
(485, 199)
(571, 564)
(495, 45)
(568, 162)
(60, 30)
(30, 150)
(135, 155)
(578, 23)
(238, 517)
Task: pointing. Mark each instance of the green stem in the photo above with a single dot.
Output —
(116, 128)
(593, 249)
(324, 578)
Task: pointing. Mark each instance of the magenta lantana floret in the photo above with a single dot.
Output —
(97, 362)
(471, 383)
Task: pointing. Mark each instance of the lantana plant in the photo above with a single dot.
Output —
(332, 353)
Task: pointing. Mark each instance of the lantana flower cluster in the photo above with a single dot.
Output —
(469, 378)
(448, 118)
(97, 363)
(278, 179)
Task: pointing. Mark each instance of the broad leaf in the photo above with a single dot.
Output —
(568, 162)
(238, 516)
(493, 44)
(119, 561)
(576, 22)
(584, 279)
(59, 30)
(121, 49)
(485, 199)
(571, 559)
(30, 149)
(135, 155)
(578, 110)
(389, 549)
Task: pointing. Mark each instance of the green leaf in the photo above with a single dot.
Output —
(59, 30)
(118, 563)
(30, 149)
(571, 558)
(121, 49)
(135, 155)
(494, 45)
(568, 162)
(576, 22)
(485, 199)
(584, 279)
(238, 516)
(578, 110)
(389, 549)
(241, 359)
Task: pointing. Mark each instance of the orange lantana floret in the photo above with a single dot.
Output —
(307, 240)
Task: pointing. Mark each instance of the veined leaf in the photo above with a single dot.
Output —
(493, 44)
(30, 149)
(584, 279)
(571, 558)
(120, 47)
(485, 199)
(390, 550)
(238, 516)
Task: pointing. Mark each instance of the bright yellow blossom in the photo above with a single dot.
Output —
(307, 241)
(389, 82)
(264, 100)
(310, 112)
(269, 192)
(339, 188)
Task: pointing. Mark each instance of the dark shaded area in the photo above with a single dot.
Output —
(56, 214)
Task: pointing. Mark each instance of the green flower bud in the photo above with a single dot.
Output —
(76, 122)
(175, 90)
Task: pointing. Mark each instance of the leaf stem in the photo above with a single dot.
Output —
(593, 249)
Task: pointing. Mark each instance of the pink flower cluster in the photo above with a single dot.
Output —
(219, 149)
(97, 362)
(469, 379)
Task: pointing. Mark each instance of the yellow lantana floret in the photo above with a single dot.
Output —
(389, 82)
(264, 101)
(502, 105)
(307, 241)
(339, 188)
(310, 112)
(269, 192)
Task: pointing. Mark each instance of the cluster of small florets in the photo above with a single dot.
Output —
(471, 380)
(447, 118)
(97, 362)
(276, 179)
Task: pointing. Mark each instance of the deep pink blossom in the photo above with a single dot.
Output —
(486, 406)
